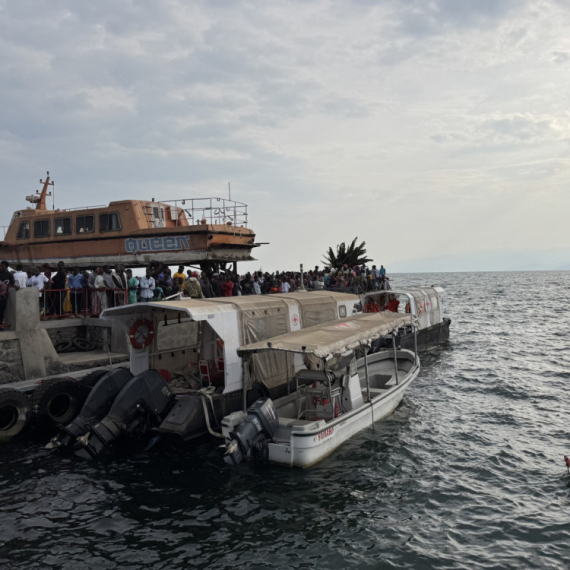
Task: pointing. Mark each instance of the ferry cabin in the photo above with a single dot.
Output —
(131, 232)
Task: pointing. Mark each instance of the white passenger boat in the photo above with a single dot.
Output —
(425, 303)
(337, 394)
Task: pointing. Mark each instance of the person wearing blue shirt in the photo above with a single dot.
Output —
(76, 283)
(382, 272)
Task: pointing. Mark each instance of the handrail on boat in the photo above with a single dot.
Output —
(215, 210)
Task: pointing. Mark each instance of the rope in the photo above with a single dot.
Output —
(206, 394)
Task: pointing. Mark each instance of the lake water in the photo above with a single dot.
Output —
(467, 473)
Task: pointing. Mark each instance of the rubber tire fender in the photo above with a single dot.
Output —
(57, 401)
(83, 345)
(63, 346)
(15, 413)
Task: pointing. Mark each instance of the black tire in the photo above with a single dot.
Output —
(57, 401)
(63, 346)
(15, 413)
(83, 345)
(92, 378)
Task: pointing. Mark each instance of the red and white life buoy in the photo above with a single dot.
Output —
(141, 334)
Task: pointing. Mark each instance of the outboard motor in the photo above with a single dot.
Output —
(145, 397)
(253, 434)
(96, 406)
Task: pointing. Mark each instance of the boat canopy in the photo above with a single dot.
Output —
(333, 338)
(425, 303)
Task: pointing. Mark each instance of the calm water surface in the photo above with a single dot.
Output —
(467, 473)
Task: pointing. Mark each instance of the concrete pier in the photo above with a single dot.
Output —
(27, 346)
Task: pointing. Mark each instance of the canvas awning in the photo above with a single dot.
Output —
(333, 338)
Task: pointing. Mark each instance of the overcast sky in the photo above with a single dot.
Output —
(426, 128)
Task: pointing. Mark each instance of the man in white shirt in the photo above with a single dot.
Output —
(285, 287)
(99, 300)
(39, 280)
(147, 287)
(20, 276)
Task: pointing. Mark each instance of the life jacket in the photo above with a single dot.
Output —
(393, 305)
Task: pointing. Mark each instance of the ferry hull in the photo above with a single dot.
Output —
(171, 247)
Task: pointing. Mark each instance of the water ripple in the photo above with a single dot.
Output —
(467, 473)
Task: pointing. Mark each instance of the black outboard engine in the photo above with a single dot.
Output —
(145, 397)
(96, 406)
(252, 435)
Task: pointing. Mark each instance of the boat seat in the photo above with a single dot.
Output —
(290, 422)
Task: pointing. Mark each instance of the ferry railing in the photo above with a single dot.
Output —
(212, 211)
(85, 302)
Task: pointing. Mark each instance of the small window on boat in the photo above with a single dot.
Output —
(62, 227)
(109, 222)
(342, 311)
(84, 224)
(41, 228)
(158, 213)
(24, 230)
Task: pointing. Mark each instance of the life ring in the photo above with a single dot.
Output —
(141, 334)
(15, 412)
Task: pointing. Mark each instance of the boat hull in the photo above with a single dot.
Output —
(306, 448)
(173, 246)
(428, 338)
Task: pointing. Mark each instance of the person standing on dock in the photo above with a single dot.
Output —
(20, 277)
(100, 297)
(59, 290)
(6, 281)
(76, 283)
(180, 275)
(147, 286)
(39, 280)
(133, 285)
(192, 287)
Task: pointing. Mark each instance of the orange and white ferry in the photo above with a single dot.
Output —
(209, 232)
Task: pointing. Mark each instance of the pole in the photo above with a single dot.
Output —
(366, 372)
(368, 384)
(416, 343)
(245, 376)
(395, 357)
(229, 191)
(302, 280)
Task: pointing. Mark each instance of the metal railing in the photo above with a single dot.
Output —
(215, 211)
(86, 302)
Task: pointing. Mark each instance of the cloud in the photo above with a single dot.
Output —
(329, 118)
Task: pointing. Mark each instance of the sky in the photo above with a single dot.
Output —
(436, 131)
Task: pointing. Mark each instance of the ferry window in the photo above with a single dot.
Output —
(62, 227)
(41, 228)
(24, 230)
(109, 222)
(342, 311)
(84, 224)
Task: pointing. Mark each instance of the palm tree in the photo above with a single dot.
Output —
(351, 255)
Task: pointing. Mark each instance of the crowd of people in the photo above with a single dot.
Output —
(81, 292)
